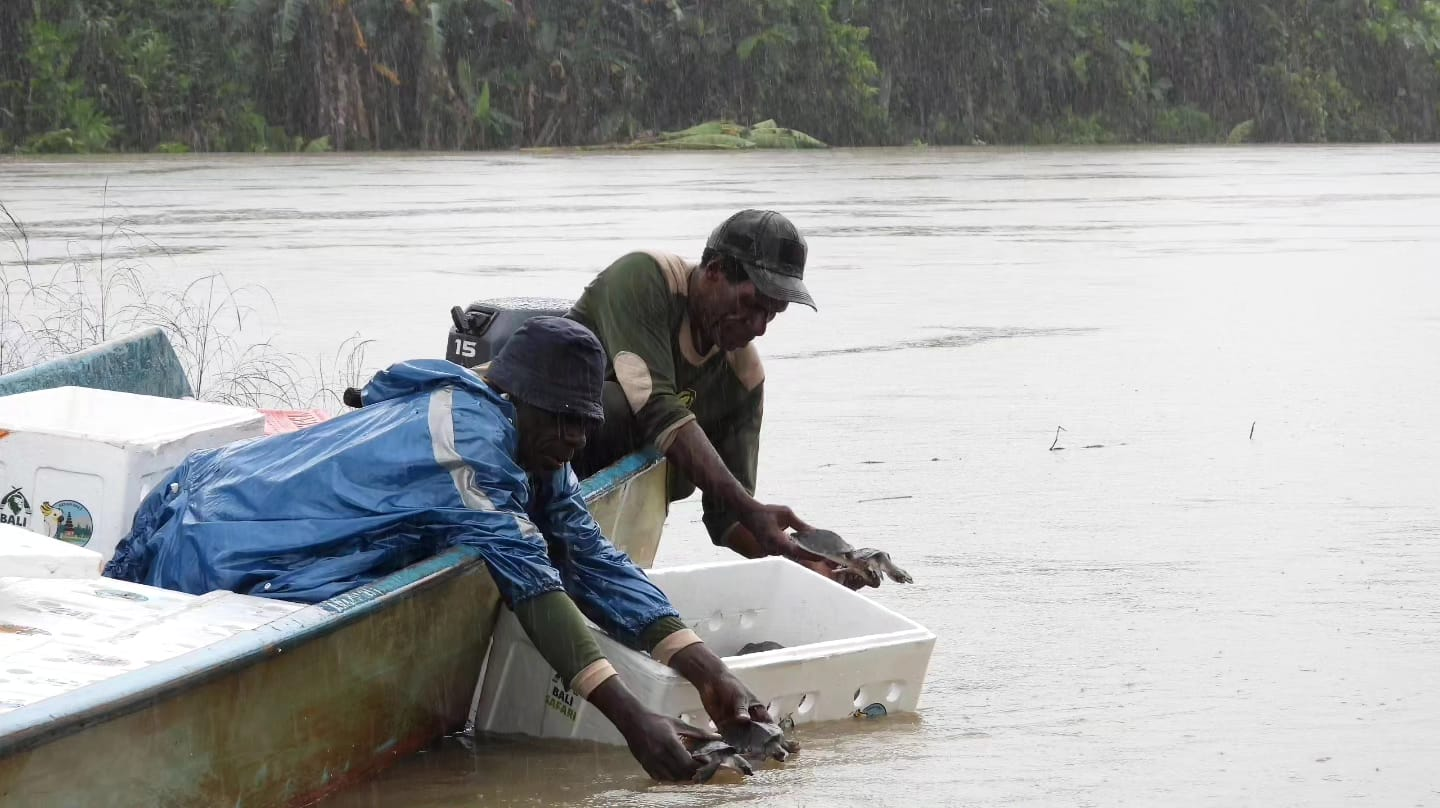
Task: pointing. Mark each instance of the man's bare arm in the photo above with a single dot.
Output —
(692, 452)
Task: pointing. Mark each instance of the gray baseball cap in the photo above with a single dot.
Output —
(770, 249)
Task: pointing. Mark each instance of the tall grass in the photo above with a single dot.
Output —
(102, 290)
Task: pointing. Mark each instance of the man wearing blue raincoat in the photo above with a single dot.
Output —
(435, 457)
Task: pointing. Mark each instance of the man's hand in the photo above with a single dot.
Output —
(768, 523)
(691, 452)
(729, 702)
(654, 740)
(658, 743)
(726, 699)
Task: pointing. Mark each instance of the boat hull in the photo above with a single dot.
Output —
(352, 687)
(301, 707)
(629, 502)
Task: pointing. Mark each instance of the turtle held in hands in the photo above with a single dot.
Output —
(710, 750)
(715, 755)
(759, 740)
(866, 562)
(740, 744)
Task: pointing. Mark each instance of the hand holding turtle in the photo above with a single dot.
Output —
(743, 721)
(865, 565)
(741, 718)
(711, 752)
(654, 740)
(726, 699)
(662, 745)
(768, 523)
(729, 703)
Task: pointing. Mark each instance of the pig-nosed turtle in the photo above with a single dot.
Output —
(866, 562)
(758, 740)
(710, 750)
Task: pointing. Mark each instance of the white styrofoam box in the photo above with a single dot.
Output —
(27, 554)
(842, 652)
(75, 462)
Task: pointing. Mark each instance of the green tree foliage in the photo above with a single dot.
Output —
(264, 75)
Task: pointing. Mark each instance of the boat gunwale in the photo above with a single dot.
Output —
(49, 719)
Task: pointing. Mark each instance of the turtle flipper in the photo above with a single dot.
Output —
(717, 755)
(711, 765)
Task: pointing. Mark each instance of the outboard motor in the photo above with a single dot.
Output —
(481, 329)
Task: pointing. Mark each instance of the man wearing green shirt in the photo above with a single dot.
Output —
(684, 376)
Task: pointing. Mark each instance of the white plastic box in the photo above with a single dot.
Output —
(843, 652)
(75, 462)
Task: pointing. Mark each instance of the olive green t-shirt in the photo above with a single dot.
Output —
(637, 307)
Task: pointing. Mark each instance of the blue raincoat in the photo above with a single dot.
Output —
(427, 463)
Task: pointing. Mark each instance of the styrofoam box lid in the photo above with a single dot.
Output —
(27, 554)
(121, 419)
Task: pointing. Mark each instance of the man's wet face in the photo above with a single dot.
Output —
(547, 441)
(741, 314)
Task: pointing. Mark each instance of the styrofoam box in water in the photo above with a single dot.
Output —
(75, 462)
(843, 652)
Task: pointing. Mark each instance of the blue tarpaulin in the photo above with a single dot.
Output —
(426, 463)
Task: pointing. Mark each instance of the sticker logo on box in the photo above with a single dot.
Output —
(561, 699)
(68, 521)
(14, 508)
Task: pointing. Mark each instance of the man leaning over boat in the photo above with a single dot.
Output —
(684, 375)
(438, 456)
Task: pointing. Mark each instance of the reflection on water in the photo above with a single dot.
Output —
(1230, 598)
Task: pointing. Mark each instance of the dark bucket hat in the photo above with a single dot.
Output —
(554, 364)
(770, 249)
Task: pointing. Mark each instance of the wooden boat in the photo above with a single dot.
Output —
(285, 711)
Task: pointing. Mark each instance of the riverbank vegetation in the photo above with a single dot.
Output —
(288, 75)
